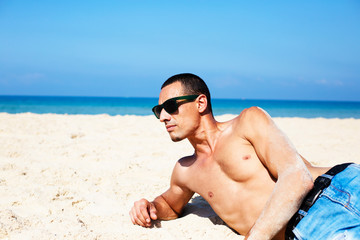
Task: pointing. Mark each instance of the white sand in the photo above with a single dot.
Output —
(76, 177)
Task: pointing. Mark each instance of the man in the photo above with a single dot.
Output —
(246, 168)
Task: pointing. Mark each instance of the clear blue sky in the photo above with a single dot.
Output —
(308, 50)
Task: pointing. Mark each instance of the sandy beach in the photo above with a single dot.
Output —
(77, 176)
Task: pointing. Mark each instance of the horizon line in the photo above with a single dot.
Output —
(212, 98)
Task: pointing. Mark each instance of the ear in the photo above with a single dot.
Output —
(202, 103)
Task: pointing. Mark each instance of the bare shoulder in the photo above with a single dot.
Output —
(252, 117)
(253, 114)
(180, 175)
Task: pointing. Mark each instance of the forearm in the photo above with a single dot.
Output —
(164, 211)
(283, 203)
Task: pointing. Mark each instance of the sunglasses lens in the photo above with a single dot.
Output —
(157, 110)
(170, 106)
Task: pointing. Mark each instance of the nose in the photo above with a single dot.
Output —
(164, 116)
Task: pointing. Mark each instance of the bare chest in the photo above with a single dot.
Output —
(234, 182)
(235, 174)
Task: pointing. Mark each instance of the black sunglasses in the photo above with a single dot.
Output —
(171, 105)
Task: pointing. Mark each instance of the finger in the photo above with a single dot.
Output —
(153, 212)
(141, 215)
(136, 220)
(145, 214)
(139, 222)
(132, 217)
(138, 217)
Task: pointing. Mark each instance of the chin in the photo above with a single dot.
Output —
(176, 138)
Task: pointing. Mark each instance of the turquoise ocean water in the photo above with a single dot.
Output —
(142, 106)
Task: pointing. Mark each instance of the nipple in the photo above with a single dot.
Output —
(210, 194)
(246, 157)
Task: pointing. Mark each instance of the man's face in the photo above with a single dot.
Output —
(182, 123)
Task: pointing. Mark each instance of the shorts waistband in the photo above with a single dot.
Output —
(320, 184)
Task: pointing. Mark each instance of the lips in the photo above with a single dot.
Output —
(169, 128)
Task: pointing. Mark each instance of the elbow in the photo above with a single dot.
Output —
(306, 182)
(309, 183)
(300, 181)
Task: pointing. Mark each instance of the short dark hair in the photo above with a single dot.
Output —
(192, 84)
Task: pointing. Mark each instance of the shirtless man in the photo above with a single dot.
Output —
(246, 168)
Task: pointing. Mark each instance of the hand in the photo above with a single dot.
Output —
(143, 212)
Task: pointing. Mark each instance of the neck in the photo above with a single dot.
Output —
(205, 137)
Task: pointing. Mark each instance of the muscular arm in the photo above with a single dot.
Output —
(167, 206)
(281, 159)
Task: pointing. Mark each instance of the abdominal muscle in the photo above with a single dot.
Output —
(237, 201)
(240, 211)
